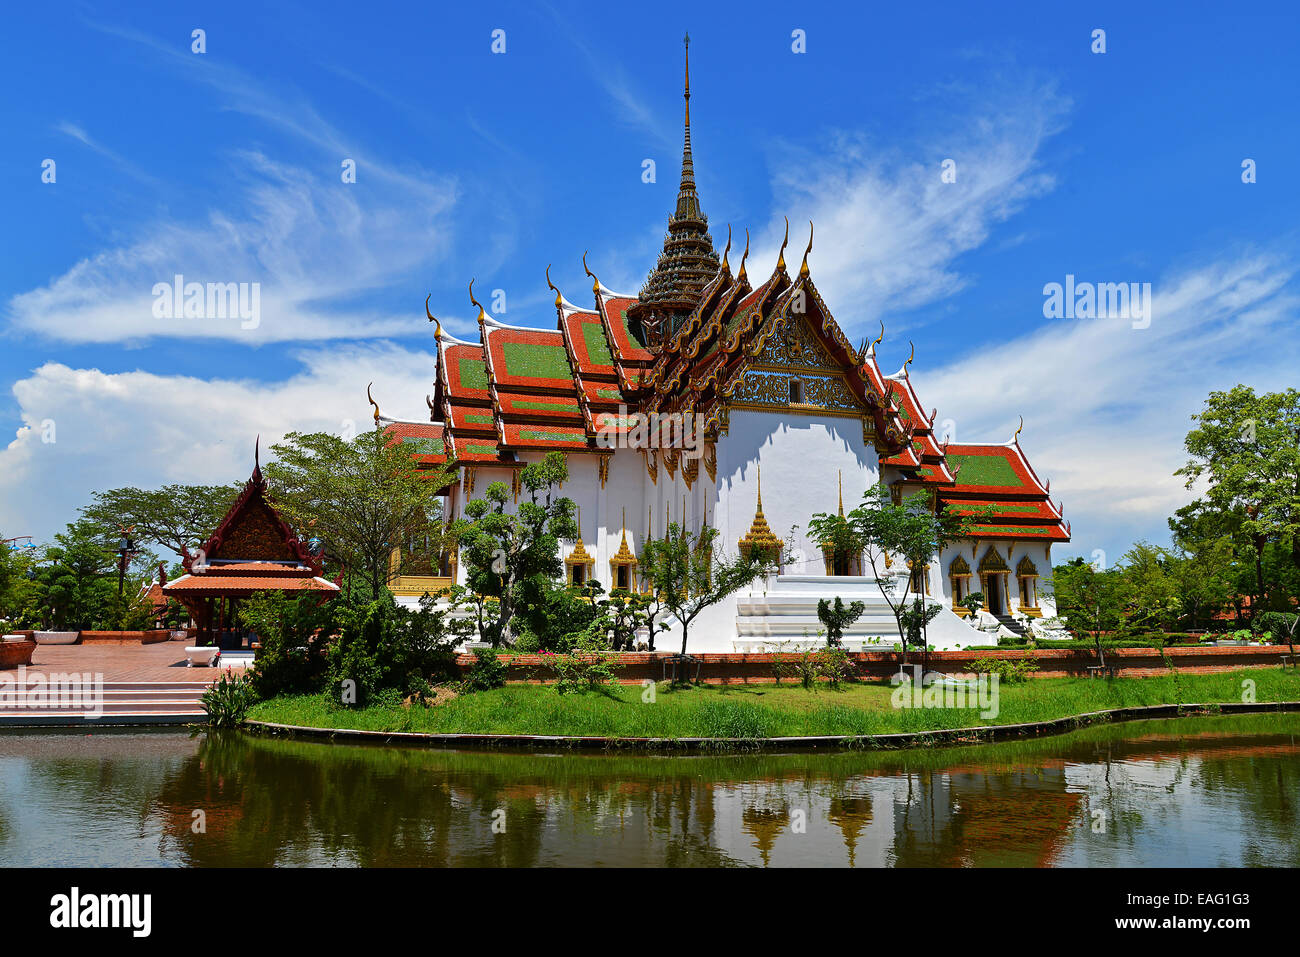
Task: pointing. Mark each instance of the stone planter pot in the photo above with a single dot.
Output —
(15, 653)
(57, 637)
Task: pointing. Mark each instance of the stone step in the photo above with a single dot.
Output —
(120, 705)
(45, 717)
(797, 625)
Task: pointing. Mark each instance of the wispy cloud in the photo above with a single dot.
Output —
(111, 429)
(309, 244)
(314, 244)
(1106, 406)
(888, 229)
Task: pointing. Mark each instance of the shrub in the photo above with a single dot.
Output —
(837, 617)
(382, 645)
(1278, 626)
(1008, 670)
(486, 673)
(829, 664)
(588, 667)
(290, 631)
(227, 700)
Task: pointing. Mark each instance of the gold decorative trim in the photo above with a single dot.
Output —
(711, 461)
(602, 462)
(993, 562)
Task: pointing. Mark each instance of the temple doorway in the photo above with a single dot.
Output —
(994, 593)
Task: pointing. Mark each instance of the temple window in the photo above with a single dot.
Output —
(959, 575)
(796, 391)
(1027, 576)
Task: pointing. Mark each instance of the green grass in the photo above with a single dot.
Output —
(759, 711)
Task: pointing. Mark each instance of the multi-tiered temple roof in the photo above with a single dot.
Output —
(700, 339)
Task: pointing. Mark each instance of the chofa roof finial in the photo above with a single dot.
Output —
(1015, 439)
(803, 267)
(371, 400)
(558, 297)
(780, 257)
(437, 326)
(743, 257)
(595, 283)
(481, 314)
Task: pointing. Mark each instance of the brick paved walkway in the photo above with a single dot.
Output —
(164, 661)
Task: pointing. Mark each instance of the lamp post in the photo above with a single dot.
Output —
(125, 549)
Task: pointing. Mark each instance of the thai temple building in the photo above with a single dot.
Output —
(763, 414)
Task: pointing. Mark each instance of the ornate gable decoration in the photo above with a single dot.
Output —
(959, 568)
(1026, 569)
(793, 353)
(253, 531)
(993, 562)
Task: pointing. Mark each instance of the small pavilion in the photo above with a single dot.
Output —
(253, 549)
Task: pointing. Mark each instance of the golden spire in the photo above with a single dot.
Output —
(624, 554)
(780, 257)
(803, 267)
(841, 493)
(437, 326)
(579, 555)
(759, 537)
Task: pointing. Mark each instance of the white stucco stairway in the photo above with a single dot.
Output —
(780, 614)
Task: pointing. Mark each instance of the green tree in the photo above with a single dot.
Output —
(361, 498)
(511, 556)
(1246, 449)
(912, 531)
(174, 517)
(1089, 599)
(1150, 588)
(77, 577)
(687, 576)
(19, 592)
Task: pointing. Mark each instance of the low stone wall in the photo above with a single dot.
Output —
(757, 668)
(149, 637)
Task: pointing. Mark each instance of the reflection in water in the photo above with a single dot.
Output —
(1206, 791)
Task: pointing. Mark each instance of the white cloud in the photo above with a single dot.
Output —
(143, 429)
(1106, 406)
(887, 228)
(306, 242)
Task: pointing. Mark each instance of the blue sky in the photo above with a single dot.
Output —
(224, 166)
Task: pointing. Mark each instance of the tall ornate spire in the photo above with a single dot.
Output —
(688, 260)
(760, 537)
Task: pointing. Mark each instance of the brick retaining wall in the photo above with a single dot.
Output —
(150, 637)
(756, 668)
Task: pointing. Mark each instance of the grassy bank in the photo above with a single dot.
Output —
(761, 711)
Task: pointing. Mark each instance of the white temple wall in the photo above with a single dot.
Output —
(802, 459)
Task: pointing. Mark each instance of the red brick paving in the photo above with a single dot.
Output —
(164, 661)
